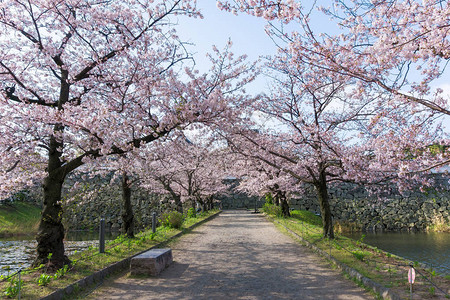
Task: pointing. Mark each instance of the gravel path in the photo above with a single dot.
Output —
(237, 255)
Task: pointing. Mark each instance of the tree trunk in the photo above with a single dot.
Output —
(205, 205)
(127, 215)
(50, 236)
(284, 204)
(177, 199)
(322, 195)
(194, 204)
(279, 198)
(210, 202)
(276, 200)
(179, 205)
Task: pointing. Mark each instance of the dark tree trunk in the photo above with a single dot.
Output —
(200, 202)
(322, 195)
(210, 202)
(50, 236)
(194, 204)
(279, 198)
(284, 204)
(205, 205)
(127, 215)
(276, 200)
(176, 197)
(179, 205)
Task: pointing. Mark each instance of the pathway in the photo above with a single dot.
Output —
(237, 255)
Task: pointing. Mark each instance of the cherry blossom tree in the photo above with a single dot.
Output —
(397, 47)
(85, 80)
(256, 177)
(191, 172)
(320, 136)
(389, 51)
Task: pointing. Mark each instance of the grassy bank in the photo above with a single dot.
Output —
(36, 283)
(19, 218)
(381, 267)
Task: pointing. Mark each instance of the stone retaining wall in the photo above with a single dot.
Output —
(92, 200)
(85, 214)
(414, 211)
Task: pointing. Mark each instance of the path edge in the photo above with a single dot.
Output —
(383, 291)
(121, 265)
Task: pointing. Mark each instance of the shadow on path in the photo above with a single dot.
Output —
(237, 255)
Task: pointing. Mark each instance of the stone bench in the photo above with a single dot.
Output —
(151, 262)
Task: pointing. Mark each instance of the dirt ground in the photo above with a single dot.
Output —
(237, 255)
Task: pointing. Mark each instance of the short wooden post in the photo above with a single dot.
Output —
(154, 222)
(102, 236)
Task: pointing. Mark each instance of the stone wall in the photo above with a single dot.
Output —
(81, 214)
(84, 206)
(239, 200)
(394, 212)
(414, 211)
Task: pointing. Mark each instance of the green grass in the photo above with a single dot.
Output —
(382, 267)
(89, 261)
(306, 216)
(19, 218)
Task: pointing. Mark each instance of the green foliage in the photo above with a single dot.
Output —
(361, 240)
(173, 219)
(432, 291)
(359, 255)
(20, 196)
(307, 216)
(272, 210)
(87, 262)
(44, 279)
(14, 287)
(61, 272)
(191, 213)
(269, 198)
(19, 218)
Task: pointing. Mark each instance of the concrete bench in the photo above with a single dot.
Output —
(151, 262)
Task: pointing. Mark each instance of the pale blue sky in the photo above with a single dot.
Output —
(248, 36)
(246, 32)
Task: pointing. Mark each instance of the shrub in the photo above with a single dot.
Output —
(173, 219)
(273, 210)
(269, 199)
(191, 213)
(62, 272)
(359, 255)
(13, 289)
(44, 279)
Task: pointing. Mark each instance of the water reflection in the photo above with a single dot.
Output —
(432, 249)
(89, 235)
(16, 254)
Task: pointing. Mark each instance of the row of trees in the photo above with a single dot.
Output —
(107, 87)
(358, 106)
(85, 82)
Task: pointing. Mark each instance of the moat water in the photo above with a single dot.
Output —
(432, 249)
(19, 254)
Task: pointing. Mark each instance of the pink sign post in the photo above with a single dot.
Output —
(411, 278)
